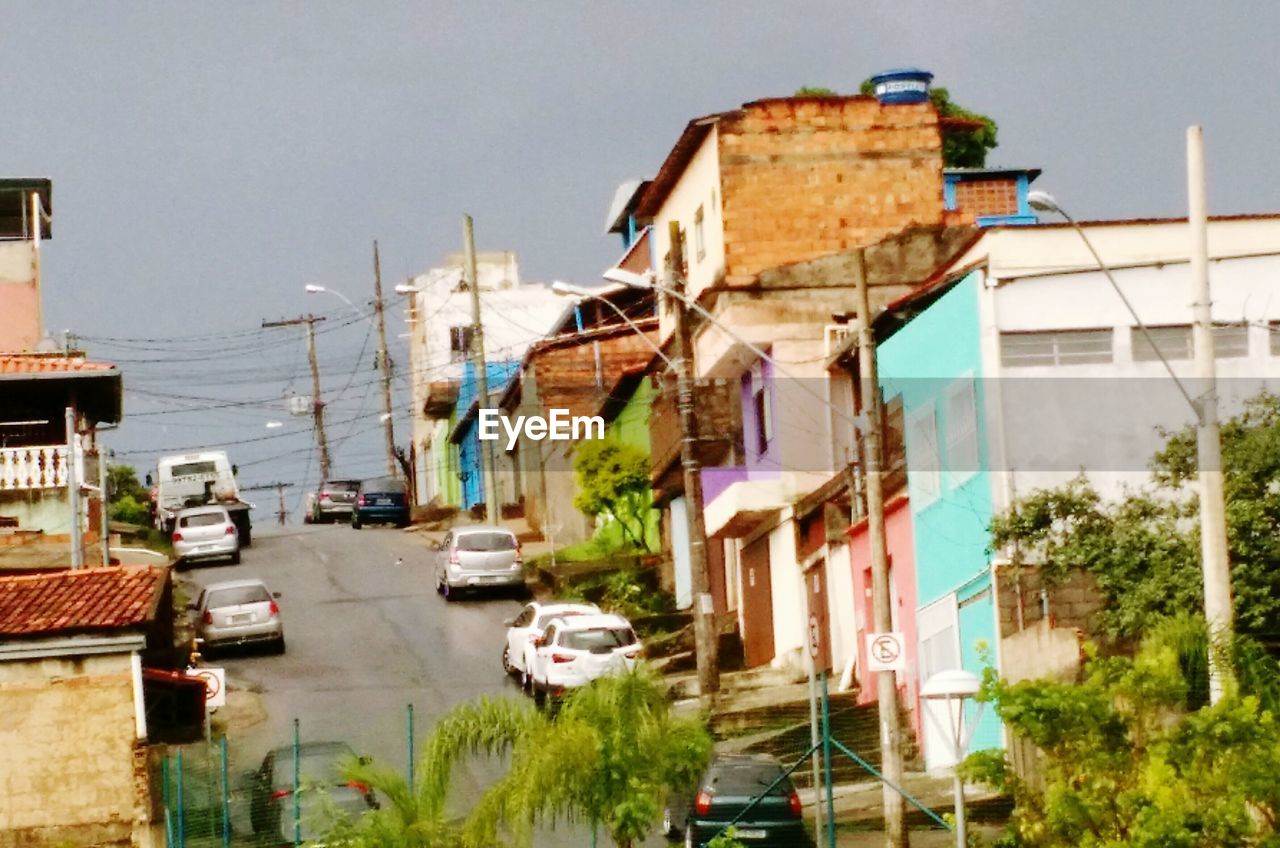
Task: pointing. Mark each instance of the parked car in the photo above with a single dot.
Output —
(238, 612)
(308, 507)
(334, 501)
(323, 790)
(574, 651)
(522, 630)
(205, 532)
(381, 500)
(478, 557)
(728, 786)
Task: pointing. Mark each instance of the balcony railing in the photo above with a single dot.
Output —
(34, 467)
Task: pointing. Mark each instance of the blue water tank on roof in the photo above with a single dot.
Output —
(902, 85)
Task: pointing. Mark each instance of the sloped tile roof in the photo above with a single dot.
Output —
(91, 599)
(30, 363)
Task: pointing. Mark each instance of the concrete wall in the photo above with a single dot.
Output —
(698, 188)
(19, 297)
(72, 771)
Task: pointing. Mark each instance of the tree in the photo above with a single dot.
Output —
(1132, 756)
(127, 497)
(1144, 549)
(613, 481)
(607, 757)
(966, 137)
(815, 91)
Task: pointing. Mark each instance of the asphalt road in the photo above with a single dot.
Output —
(366, 637)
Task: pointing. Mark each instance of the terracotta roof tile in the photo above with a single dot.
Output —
(34, 363)
(73, 601)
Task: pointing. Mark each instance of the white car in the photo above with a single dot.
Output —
(527, 626)
(205, 532)
(574, 651)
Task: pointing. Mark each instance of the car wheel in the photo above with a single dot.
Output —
(278, 647)
(246, 538)
(355, 522)
(449, 592)
(539, 695)
(526, 682)
(506, 661)
(235, 558)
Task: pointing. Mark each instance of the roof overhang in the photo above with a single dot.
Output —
(98, 394)
(71, 646)
(15, 206)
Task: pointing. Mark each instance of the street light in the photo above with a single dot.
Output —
(569, 290)
(1214, 558)
(952, 687)
(312, 288)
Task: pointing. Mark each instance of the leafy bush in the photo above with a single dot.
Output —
(128, 510)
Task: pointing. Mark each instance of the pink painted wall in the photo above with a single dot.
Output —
(19, 317)
(902, 572)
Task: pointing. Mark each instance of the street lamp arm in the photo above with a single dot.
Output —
(758, 351)
(585, 294)
(313, 289)
(1146, 334)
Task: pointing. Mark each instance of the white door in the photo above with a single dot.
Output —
(680, 554)
(939, 630)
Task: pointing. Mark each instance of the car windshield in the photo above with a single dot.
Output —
(341, 486)
(600, 639)
(548, 617)
(382, 484)
(748, 779)
(315, 765)
(203, 519)
(234, 596)
(187, 469)
(486, 542)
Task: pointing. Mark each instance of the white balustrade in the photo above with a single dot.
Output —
(34, 467)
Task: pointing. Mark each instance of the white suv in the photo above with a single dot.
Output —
(574, 651)
(517, 652)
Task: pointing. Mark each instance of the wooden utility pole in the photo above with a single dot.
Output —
(895, 822)
(282, 514)
(706, 634)
(384, 362)
(488, 458)
(317, 405)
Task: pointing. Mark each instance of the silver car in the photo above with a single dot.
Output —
(238, 612)
(205, 532)
(479, 557)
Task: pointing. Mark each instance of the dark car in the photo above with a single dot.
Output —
(381, 500)
(334, 500)
(323, 791)
(726, 790)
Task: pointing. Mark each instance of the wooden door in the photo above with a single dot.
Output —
(757, 603)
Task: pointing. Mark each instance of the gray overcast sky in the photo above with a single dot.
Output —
(210, 159)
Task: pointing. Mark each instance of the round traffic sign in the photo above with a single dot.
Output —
(815, 636)
(885, 648)
(212, 683)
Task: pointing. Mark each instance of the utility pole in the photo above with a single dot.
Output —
(317, 405)
(104, 504)
(1216, 566)
(895, 822)
(282, 514)
(488, 457)
(384, 362)
(73, 490)
(705, 633)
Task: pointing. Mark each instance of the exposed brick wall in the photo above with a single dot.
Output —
(801, 178)
(70, 772)
(1072, 603)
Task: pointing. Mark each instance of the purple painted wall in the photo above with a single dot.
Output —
(757, 459)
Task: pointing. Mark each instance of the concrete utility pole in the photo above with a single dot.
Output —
(706, 635)
(384, 362)
(282, 513)
(488, 457)
(73, 491)
(317, 405)
(1218, 611)
(104, 504)
(895, 822)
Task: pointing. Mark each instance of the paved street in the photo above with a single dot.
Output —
(365, 638)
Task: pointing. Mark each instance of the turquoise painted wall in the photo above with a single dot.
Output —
(923, 362)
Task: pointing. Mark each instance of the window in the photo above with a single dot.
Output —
(962, 430)
(922, 451)
(1055, 347)
(761, 409)
(460, 342)
(486, 542)
(1171, 342)
(238, 596)
(204, 519)
(1230, 341)
(699, 243)
(599, 640)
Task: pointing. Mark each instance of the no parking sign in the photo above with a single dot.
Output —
(885, 652)
(215, 685)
